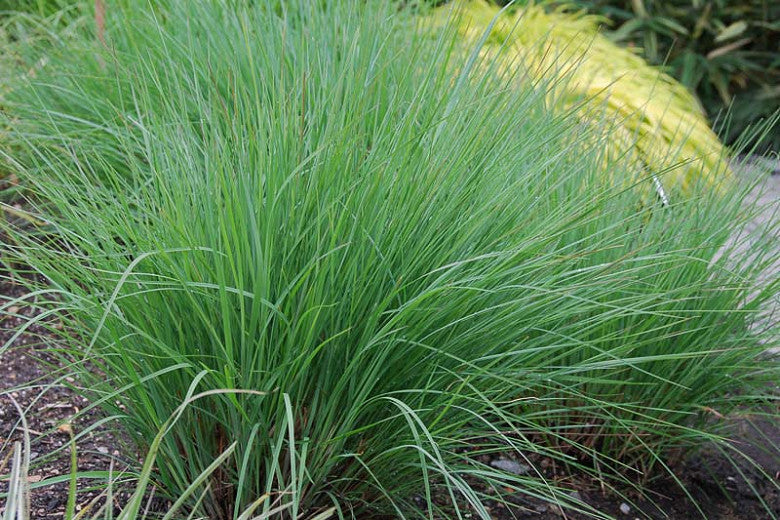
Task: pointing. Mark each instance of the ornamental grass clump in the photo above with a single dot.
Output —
(373, 264)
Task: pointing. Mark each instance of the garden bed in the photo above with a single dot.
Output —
(711, 479)
(723, 490)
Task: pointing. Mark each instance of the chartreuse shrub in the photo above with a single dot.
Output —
(372, 255)
(723, 52)
(659, 122)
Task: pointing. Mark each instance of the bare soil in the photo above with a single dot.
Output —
(32, 378)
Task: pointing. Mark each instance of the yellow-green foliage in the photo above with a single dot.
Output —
(658, 121)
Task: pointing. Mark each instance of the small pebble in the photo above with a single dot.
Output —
(102, 450)
(624, 508)
(555, 510)
(510, 466)
(576, 496)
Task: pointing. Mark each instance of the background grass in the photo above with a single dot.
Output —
(378, 260)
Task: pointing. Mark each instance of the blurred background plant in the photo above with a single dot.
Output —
(25, 23)
(725, 52)
(39, 7)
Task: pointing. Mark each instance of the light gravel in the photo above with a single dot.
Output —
(765, 227)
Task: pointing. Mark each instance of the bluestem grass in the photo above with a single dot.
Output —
(375, 261)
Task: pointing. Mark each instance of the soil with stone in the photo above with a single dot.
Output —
(32, 377)
(722, 488)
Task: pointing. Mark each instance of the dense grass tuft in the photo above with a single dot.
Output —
(375, 260)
